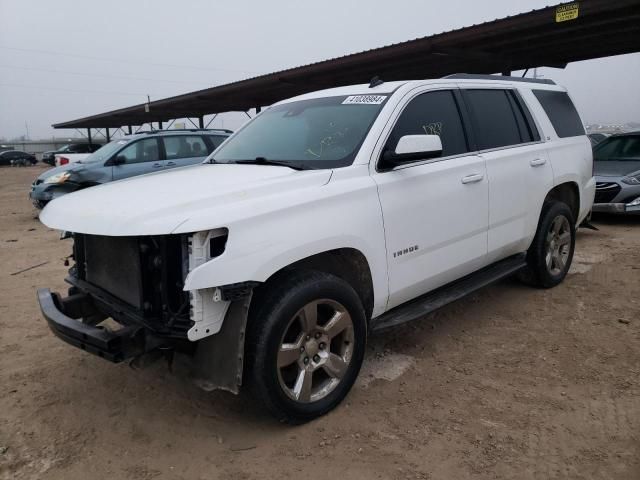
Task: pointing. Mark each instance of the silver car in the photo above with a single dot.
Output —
(617, 170)
(127, 157)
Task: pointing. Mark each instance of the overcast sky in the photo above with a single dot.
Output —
(64, 59)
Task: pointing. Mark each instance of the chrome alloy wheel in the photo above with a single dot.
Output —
(558, 245)
(315, 351)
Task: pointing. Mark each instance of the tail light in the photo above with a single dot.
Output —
(63, 161)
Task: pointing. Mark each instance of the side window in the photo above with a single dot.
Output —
(432, 113)
(184, 146)
(142, 151)
(494, 121)
(561, 111)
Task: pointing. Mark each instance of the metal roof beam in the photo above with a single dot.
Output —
(603, 28)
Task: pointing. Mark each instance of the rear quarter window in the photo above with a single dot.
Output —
(561, 112)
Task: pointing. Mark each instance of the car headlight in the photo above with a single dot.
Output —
(635, 180)
(58, 178)
(634, 203)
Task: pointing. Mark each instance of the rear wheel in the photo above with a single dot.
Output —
(550, 255)
(306, 343)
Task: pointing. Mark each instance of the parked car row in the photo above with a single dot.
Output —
(127, 157)
(17, 158)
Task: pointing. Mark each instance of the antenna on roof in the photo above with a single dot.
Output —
(375, 81)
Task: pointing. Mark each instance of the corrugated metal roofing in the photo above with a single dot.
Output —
(602, 28)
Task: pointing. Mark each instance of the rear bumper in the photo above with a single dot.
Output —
(64, 319)
(617, 208)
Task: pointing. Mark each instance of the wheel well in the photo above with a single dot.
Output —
(348, 264)
(567, 193)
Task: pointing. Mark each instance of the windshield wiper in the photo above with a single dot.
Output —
(264, 161)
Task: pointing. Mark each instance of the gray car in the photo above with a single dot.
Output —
(617, 170)
(127, 157)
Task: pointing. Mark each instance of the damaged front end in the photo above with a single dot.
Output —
(138, 283)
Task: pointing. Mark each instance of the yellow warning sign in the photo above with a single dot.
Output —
(567, 12)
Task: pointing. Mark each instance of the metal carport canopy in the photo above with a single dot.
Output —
(602, 28)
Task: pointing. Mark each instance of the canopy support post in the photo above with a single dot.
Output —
(211, 121)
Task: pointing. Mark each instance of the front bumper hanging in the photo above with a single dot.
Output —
(217, 363)
(64, 316)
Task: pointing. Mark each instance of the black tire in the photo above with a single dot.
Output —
(538, 273)
(275, 308)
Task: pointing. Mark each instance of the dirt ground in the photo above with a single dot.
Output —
(510, 383)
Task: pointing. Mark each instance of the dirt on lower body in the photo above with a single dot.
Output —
(510, 383)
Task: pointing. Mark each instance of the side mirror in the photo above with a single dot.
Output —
(412, 148)
(118, 160)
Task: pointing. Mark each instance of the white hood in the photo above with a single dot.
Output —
(188, 199)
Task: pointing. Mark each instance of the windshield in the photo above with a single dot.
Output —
(318, 133)
(105, 152)
(64, 148)
(618, 149)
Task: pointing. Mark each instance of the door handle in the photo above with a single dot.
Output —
(473, 178)
(538, 162)
(171, 164)
(156, 165)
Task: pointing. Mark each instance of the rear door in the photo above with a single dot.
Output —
(142, 156)
(183, 150)
(518, 168)
(435, 211)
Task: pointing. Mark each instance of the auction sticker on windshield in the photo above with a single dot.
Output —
(364, 99)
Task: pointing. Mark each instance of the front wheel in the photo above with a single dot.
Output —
(306, 343)
(551, 253)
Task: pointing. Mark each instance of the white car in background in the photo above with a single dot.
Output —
(67, 158)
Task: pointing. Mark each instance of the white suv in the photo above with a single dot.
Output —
(327, 216)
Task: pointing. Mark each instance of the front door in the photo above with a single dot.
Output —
(142, 156)
(435, 211)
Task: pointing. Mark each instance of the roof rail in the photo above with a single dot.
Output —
(476, 76)
(178, 130)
